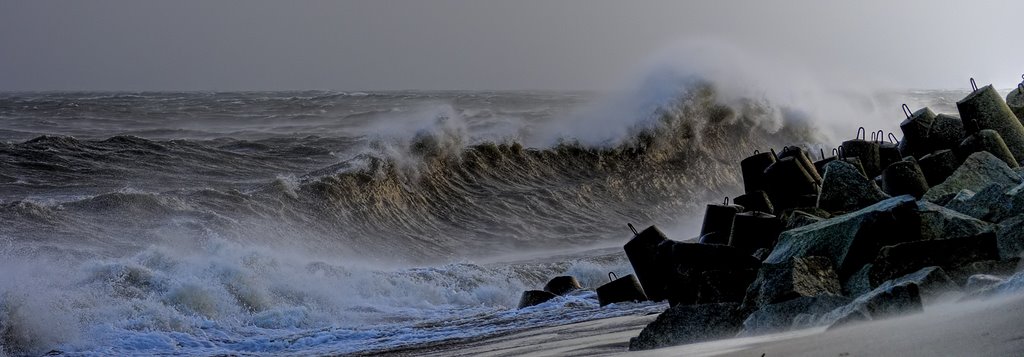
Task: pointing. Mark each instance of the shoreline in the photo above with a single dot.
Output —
(986, 327)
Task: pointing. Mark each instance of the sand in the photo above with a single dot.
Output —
(974, 328)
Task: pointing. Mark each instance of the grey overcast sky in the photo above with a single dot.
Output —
(482, 44)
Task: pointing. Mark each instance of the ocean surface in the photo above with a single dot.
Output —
(319, 222)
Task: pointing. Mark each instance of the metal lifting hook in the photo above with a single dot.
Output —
(612, 276)
(906, 111)
(892, 139)
(974, 85)
(861, 131)
(632, 228)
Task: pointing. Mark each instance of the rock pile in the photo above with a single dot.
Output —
(878, 230)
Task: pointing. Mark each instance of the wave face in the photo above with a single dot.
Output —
(446, 191)
(331, 222)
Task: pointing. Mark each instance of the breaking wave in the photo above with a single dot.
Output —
(317, 243)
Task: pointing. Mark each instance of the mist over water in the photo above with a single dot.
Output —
(343, 222)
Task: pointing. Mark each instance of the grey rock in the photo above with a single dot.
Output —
(904, 258)
(762, 253)
(1010, 237)
(1000, 267)
(889, 299)
(844, 189)
(932, 282)
(798, 277)
(850, 240)
(979, 282)
(978, 171)
(855, 161)
(797, 218)
(683, 324)
(1012, 285)
(849, 317)
(781, 316)
(939, 222)
(980, 204)
(859, 283)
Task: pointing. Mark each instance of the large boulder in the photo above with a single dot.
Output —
(904, 258)
(938, 222)
(1012, 285)
(683, 324)
(858, 283)
(850, 240)
(1001, 267)
(797, 277)
(979, 282)
(799, 218)
(932, 282)
(780, 316)
(984, 204)
(889, 299)
(1010, 237)
(978, 171)
(844, 189)
(683, 266)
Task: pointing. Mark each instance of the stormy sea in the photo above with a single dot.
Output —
(329, 222)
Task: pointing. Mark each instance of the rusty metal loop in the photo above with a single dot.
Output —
(859, 131)
(907, 111)
(974, 85)
(612, 276)
(881, 136)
